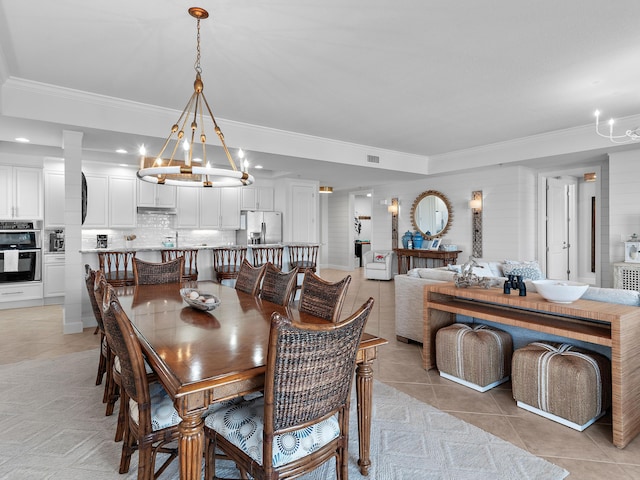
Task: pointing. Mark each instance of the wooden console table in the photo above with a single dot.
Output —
(435, 258)
(612, 325)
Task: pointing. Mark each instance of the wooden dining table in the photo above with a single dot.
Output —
(205, 357)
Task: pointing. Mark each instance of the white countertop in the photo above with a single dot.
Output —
(157, 248)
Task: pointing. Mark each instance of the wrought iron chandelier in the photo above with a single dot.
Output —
(182, 172)
(628, 137)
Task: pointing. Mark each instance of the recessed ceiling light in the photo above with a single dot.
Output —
(22, 140)
(258, 167)
(121, 150)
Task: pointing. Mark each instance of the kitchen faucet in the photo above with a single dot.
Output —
(176, 239)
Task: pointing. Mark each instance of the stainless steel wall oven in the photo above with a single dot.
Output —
(20, 252)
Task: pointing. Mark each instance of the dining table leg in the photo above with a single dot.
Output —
(364, 398)
(191, 446)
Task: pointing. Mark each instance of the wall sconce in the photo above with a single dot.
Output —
(476, 223)
(393, 209)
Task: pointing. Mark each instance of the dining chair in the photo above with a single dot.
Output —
(90, 282)
(249, 278)
(322, 298)
(262, 254)
(302, 420)
(151, 421)
(227, 261)
(117, 267)
(148, 273)
(190, 271)
(278, 286)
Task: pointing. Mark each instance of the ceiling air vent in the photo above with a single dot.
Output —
(373, 159)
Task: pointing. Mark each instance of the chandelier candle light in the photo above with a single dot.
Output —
(628, 137)
(182, 172)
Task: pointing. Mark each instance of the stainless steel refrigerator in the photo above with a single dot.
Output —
(259, 228)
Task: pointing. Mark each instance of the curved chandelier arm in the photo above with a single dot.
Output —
(628, 137)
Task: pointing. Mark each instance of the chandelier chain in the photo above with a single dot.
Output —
(197, 66)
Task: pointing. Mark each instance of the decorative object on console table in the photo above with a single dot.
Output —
(406, 238)
(417, 240)
(435, 244)
(632, 251)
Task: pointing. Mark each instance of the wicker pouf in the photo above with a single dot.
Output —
(561, 382)
(476, 356)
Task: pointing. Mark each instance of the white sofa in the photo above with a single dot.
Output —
(380, 268)
(409, 300)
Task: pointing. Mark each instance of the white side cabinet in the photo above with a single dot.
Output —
(20, 193)
(53, 275)
(54, 199)
(154, 195)
(626, 276)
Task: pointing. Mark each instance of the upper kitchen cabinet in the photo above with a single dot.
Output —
(122, 202)
(209, 208)
(20, 193)
(111, 201)
(256, 198)
(154, 195)
(54, 199)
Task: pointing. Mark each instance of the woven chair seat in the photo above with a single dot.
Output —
(242, 425)
(303, 265)
(118, 368)
(567, 384)
(476, 356)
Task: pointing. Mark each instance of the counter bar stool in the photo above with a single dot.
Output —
(227, 261)
(302, 256)
(190, 255)
(267, 253)
(117, 267)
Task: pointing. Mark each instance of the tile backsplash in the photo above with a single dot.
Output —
(151, 230)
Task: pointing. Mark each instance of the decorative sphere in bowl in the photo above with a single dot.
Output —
(200, 301)
(560, 291)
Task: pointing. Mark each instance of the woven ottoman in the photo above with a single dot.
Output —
(567, 384)
(477, 356)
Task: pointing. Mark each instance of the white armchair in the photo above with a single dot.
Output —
(378, 264)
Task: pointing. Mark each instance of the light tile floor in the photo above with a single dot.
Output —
(31, 333)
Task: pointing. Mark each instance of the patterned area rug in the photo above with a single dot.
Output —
(53, 425)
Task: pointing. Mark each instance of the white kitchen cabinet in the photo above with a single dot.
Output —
(21, 193)
(209, 216)
(209, 208)
(54, 199)
(53, 275)
(20, 292)
(188, 208)
(97, 201)
(122, 201)
(154, 195)
(256, 198)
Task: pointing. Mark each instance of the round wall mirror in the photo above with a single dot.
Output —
(431, 214)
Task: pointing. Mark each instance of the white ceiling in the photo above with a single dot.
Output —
(422, 77)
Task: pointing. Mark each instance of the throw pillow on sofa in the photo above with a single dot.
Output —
(529, 270)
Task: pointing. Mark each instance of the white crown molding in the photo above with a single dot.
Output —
(558, 142)
(38, 101)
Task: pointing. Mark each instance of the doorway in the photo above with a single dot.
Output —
(561, 228)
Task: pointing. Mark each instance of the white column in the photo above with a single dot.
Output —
(74, 270)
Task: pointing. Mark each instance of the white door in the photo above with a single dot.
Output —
(561, 228)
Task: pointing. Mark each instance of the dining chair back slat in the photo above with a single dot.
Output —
(322, 298)
(249, 278)
(190, 270)
(278, 286)
(117, 267)
(148, 273)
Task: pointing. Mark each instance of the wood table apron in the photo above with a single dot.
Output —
(612, 325)
(441, 257)
(204, 357)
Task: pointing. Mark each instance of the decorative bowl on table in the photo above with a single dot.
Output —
(560, 291)
(199, 301)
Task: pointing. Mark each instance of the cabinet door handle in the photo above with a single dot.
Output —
(12, 293)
